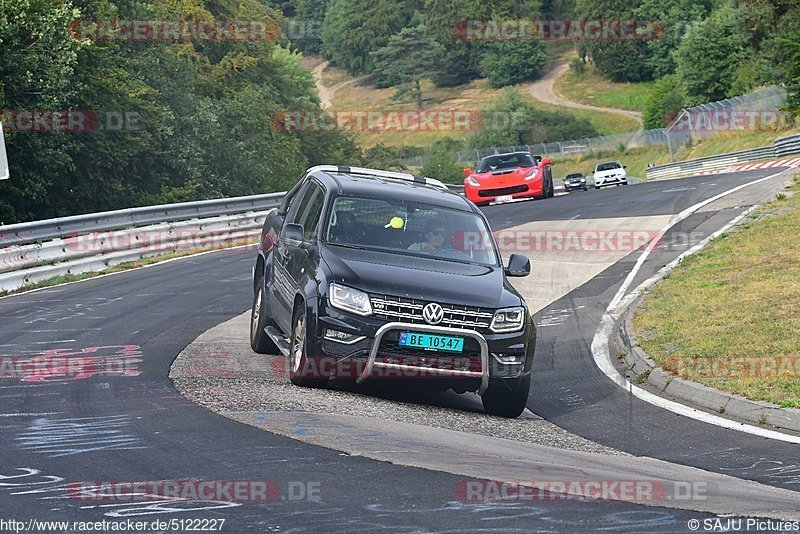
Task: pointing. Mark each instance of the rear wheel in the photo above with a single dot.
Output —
(500, 400)
(551, 190)
(260, 342)
(301, 372)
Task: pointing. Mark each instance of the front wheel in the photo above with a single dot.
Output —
(260, 342)
(500, 400)
(302, 372)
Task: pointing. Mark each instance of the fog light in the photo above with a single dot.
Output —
(509, 359)
(342, 337)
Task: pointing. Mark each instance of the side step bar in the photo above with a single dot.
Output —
(277, 337)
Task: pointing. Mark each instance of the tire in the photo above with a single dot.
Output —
(260, 342)
(597, 187)
(501, 401)
(300, 372)
(551, 190)
(585, 188)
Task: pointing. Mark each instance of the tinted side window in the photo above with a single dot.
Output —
(313, 210)
(299, 202)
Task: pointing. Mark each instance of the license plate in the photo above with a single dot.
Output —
(431, 341)
(504, 198)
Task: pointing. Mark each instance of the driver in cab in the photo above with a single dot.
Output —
(434, 239)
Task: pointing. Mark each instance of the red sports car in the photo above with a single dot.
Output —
(504, 177)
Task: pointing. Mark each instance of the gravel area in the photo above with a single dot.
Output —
(220, 372)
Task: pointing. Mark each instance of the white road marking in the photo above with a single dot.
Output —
(28, 414)
(600, 349)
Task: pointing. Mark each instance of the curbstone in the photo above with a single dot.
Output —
(700, 395)
(659, 379)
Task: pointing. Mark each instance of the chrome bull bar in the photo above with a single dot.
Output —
(373, 353)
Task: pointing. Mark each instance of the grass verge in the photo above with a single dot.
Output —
(729, 316)
(592, 88)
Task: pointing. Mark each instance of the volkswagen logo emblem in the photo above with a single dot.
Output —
(433, 313)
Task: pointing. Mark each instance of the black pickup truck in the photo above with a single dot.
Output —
(371, 275)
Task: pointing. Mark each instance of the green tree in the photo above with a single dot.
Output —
(408, 58)
(664, 103)
(670, 19)
(354, 28)
(442, 164)
(37, 62)
(618, 60)
(204, 111)
(306, 26)
(511, 62)
(709, 55)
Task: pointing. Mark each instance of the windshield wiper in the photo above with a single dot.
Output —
(347, 245)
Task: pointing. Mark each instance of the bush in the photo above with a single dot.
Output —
(511, 62)
(665, 102)
(709, 56)
(512, 120)
(577, 66)
(442, 164)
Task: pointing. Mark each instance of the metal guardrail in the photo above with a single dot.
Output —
(783, 146)
(64, 227)
(36, 251)
(787, 146)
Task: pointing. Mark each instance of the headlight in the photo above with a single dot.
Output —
(473, 182)
(508, 320)
(349, 299)
(583, 179)
(531, 175)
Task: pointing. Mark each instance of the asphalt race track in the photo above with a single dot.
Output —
(131, 424)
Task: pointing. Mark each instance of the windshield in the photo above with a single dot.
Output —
(505, 161)
(611, 165)
(574, 175)
(410, 228)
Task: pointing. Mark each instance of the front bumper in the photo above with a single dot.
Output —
(503, 356)
(609, 180)
(489, 193)
(570, 187)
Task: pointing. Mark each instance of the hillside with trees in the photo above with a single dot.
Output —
(204, 111)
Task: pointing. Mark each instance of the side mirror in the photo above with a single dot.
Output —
(518, 265)
(467, 172)
(292, 235)
(547, 161)
(624, 166)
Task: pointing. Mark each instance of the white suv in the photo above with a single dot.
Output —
(610, 173)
